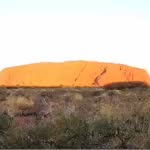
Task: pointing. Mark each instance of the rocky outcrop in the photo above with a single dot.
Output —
(71, 74)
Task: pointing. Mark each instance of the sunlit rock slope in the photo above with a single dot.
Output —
(71, 74)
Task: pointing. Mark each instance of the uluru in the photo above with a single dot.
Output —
(71, 74)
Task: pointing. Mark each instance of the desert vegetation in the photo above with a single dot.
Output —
(75, 118)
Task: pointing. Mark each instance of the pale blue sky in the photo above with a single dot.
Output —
(97, 7)
(115, 31)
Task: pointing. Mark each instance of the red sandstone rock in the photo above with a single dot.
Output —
(71, 74)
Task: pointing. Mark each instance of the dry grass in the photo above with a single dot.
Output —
(23, 103)
(106, 118)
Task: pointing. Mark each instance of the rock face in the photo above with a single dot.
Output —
(71, 74)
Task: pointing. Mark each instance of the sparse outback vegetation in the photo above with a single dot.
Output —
(77, 118)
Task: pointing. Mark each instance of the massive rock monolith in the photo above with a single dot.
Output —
(71, 74)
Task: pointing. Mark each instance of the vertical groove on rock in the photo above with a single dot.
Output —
(99, 77)
(80, 73)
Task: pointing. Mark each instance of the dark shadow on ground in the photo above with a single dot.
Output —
(123, 85)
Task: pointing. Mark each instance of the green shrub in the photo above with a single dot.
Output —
(71, 132)
(101, 131)
(5, 122)
(3, 94)
(147, 145)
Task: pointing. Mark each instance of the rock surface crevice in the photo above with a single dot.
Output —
(78, 76)
(71, 74)
(97, 79)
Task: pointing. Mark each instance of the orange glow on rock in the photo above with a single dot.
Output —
(71, 74)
